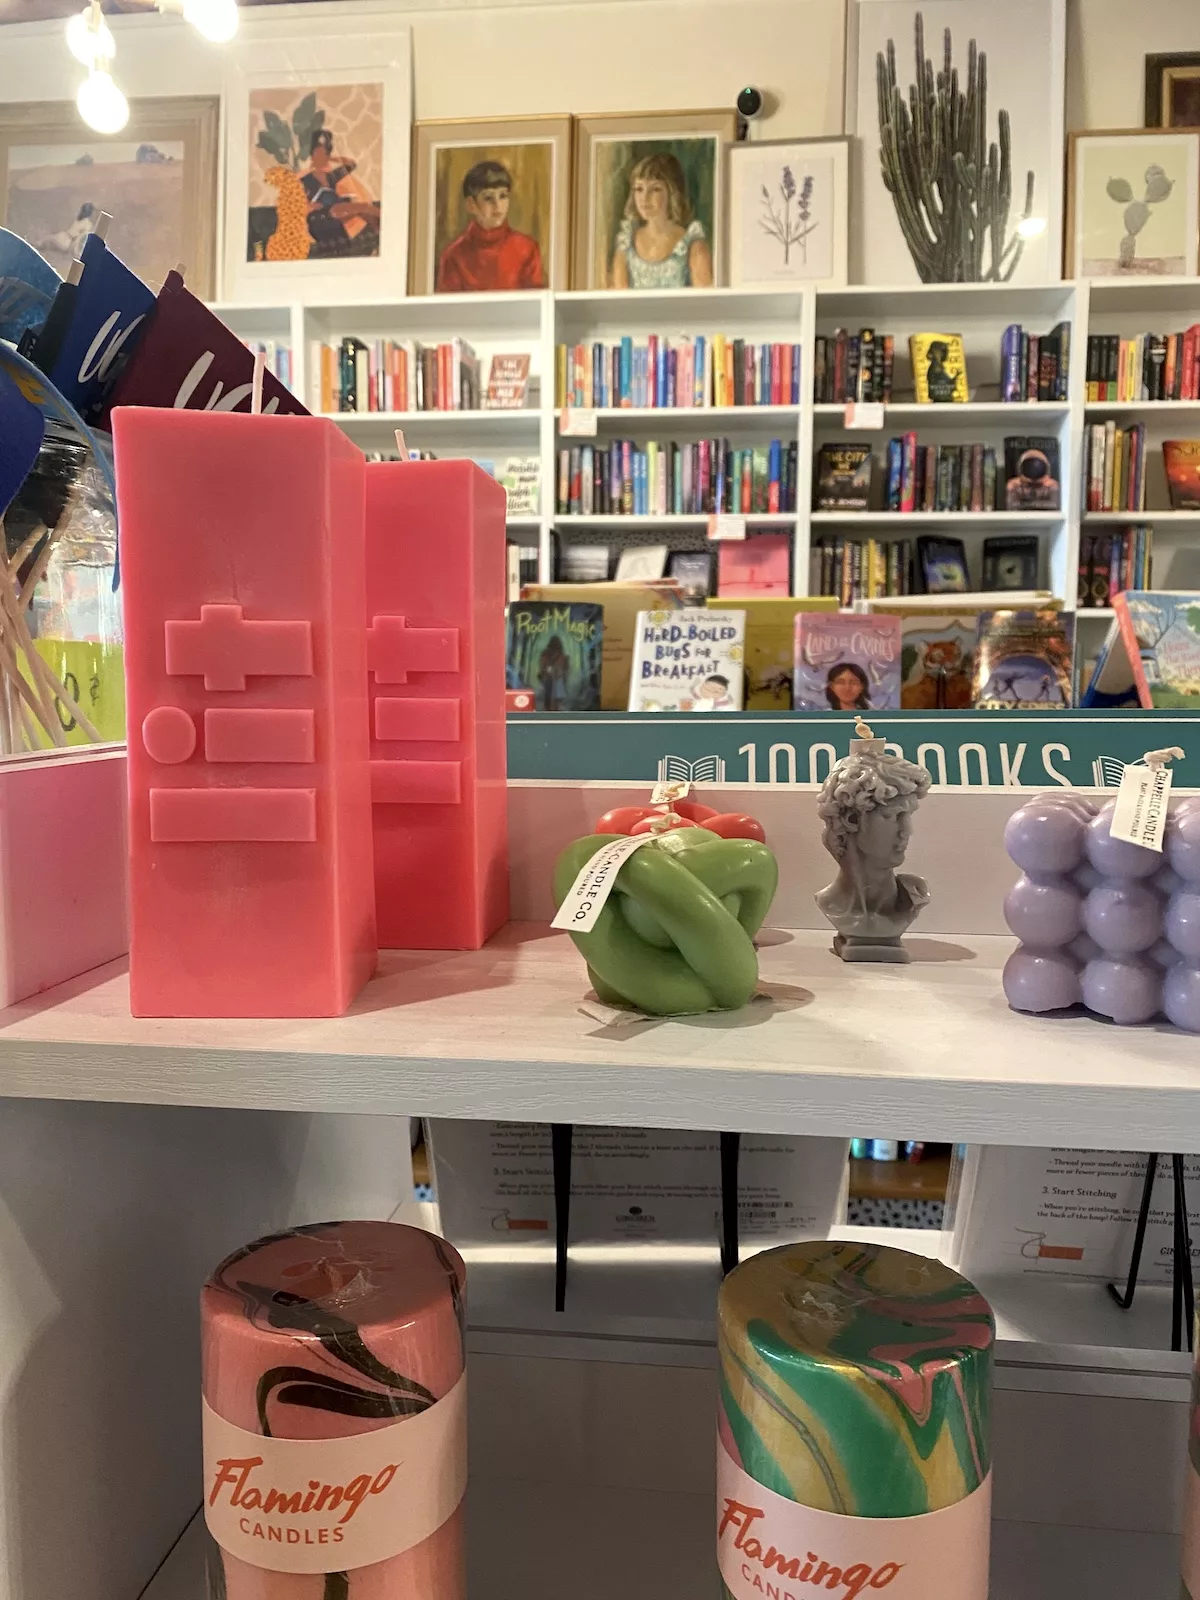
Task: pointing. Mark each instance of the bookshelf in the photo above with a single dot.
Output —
(538, 323)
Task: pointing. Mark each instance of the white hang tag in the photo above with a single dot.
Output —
(863, 414)
(586, 897)
(1140, 814)
(727, 525)
(668, 790)
(577, 422)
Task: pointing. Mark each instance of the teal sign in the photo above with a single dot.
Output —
(1021, 750)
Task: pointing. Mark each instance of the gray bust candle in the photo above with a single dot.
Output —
(866, 804)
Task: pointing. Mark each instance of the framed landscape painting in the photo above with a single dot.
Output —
(788, 216)
(317, 165)
(649, 199)
(1132, 203)
(491, 205)
(985, 209)
(157, 179)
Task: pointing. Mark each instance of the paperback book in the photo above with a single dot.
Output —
(508, 379)
(692, 570)
(1181, 458)
(843, 477)
(939, 367)
(554, 653)
(943, 564)
(688, 660)
(1031, 479)
(1161, 633)
(846, 663)
(1024, 661)
(1010, 561)
(759, 565)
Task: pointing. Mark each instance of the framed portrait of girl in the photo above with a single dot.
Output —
(649, 199)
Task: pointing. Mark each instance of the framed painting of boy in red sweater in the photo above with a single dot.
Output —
(492, 205)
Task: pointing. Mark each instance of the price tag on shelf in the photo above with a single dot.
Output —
(863, 414)
(727, 526)
(579, 422)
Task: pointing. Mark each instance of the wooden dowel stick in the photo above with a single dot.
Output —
(52, 727)
(38, 572)
(25, 549)
(41, 669)
(15, 643)
(256, 388)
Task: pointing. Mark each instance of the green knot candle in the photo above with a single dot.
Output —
(676, 934)
(853, 1427)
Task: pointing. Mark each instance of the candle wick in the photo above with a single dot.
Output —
(256, 388)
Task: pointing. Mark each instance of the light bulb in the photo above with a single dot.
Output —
(1031, 227)
(89, 44)
(101, 104)
(214, 20)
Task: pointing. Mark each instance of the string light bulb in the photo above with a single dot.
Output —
(89, 38)
(214, 20)
(101, 103)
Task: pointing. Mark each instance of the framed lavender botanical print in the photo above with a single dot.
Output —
(788, 212)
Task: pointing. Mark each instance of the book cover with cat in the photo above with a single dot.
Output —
(846, 663)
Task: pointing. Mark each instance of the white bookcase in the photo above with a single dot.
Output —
(537, 323)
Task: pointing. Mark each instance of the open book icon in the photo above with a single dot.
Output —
(705, 769)
(1106, 772)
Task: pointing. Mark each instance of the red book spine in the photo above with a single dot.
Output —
(1187, 388)
(776, 375)
(908, 473)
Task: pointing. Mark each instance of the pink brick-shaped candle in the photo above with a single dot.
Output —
(242, 568)
(435, 651)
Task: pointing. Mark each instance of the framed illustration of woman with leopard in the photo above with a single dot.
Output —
(317, 178)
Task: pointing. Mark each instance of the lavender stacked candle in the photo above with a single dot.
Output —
(1111, 924)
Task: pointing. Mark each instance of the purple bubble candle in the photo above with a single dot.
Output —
(1100, 920)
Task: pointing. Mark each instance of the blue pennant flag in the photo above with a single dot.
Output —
(22, 428)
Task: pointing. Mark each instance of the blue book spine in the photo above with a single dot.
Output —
(699, 397)
(895, 473)
(1010, 363)
(626, 369)
(639, 484)
(597, 375)
(795, 375)
(660, 375)
(773, 476)
(719, 489)
(672, 377)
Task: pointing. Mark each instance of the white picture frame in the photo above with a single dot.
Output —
(296, 58)
(1164, 240)
(780, 239)
(1025, 45)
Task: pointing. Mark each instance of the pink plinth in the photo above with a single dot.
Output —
(374, 1311)
(242, 570)
(435, 628)
(63, 868)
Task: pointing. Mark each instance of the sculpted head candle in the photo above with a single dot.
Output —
(335, 1416)
(853, 1428)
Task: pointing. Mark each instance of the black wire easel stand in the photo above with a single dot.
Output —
(561, 1143)
(1183, 1306)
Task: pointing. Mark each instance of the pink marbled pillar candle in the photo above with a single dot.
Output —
(322, 1333)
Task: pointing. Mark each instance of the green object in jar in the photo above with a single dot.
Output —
(676, 934)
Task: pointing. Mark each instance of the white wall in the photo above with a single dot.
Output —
(1107, 43)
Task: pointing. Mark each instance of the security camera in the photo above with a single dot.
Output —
(750, 103)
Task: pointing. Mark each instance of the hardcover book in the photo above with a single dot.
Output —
(770, 636)
(1181, 458)
(1111, 682)
(621, 603)
(1031, 481)
(846, 663)
(1024, 661)
(641, 563)
(844, 477)
(688, 660)
(943, 564)
(1010, 561)
(692, 570)
(937, 660)
(1161, 632)
(554, 653)
(939, 366)
(508, 379)
(759, 565)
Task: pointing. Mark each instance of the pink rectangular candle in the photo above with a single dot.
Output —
(435, 648)
(242, 565)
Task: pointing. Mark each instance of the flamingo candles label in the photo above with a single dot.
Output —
(768, 1545)
(324, 1505)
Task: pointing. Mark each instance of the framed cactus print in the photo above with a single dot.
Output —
(984, 206)
(1132, 203)
(317, 166)
(788, 220)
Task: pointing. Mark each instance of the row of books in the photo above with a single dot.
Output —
(940, 477)
(1112, 562)
(873, 569)
(673, 479)
(1115, 467)
(394, 375)
(853, 367)
(278, 357)
(1150, 366)
(1035, 366)
(686, 371)
(759, 565)
(564, 653)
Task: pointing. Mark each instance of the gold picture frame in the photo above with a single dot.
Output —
(157, 178)
(1173, 90)
(1101, 238)
(675, 160)
(512, 234)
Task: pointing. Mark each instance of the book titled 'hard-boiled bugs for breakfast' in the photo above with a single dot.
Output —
(554, 653)
(688, 660)
(846, 663)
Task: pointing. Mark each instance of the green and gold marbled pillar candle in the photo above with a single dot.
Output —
(853, 1448)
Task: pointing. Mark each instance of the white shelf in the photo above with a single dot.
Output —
(1016, 411)
(986, 519)
(416, 420)
(499, 1033)
(755, 519)
(1156, 517)
(522, 1537)
(672, 415)
(1099, 613)
(1148, 408)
